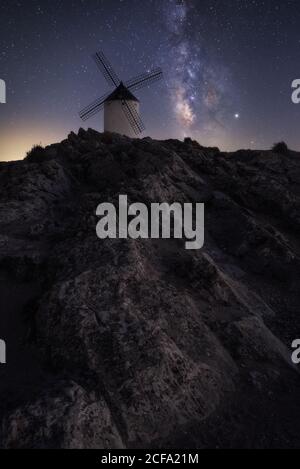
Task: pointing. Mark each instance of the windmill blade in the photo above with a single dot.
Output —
(145, 79)
(106, 68)
(93, 108)
(133, 117)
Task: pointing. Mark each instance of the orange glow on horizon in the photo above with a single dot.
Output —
(15, 141)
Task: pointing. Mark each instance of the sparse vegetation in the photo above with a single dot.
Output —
(36, 154)
(281, 148)
(188, 140)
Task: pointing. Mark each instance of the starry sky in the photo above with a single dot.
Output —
(228, 68)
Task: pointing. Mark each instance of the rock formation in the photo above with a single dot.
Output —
(141, 343)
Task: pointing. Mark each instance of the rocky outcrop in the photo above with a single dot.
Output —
(140, 343)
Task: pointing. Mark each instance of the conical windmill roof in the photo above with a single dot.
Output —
(121, 93)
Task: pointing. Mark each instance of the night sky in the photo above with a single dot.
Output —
(228, 68)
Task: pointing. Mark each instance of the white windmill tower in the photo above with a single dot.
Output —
(116, 114)
(121, 107)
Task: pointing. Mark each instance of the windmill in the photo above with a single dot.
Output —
(121, 107)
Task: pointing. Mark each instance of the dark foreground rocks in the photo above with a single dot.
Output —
(123, 343)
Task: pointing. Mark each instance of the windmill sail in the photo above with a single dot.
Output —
(133, 117)
(145, 79)
(106, 68)
(93, 108)
(120, 105)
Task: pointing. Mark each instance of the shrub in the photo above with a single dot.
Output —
(188, 140)
(36, 154)
(281, 148)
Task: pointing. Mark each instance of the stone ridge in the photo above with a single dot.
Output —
(125, 344)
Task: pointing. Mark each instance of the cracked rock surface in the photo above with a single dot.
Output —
(141, 343)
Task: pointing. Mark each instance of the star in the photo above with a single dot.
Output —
(209, 52)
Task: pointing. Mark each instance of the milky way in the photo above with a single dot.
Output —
(199, 86)
(228, 68)
(182, 72)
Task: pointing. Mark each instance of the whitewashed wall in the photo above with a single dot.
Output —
(115, 119)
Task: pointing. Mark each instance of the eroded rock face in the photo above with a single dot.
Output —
(67, 416)
(123, 343)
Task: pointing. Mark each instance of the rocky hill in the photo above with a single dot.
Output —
(123, 343)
